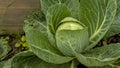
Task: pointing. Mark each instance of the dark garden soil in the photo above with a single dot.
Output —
(13, 39)
(112, 39)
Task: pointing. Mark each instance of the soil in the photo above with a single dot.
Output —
(110, 40)
(13, 39)
(114, 39)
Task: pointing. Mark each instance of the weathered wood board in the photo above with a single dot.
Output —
(14, 12)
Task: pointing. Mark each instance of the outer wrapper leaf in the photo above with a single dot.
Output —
(36, 20)
(100, 56)
(115, 27)
(97, 15)
(71, 4)
(42, 48)
(27, 59)
(2, 64)
(107, 66)
(7, 64)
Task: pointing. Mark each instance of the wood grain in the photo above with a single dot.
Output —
(14, 12)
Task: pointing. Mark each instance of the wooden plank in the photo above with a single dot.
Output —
(14, 12)
(19, 3)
